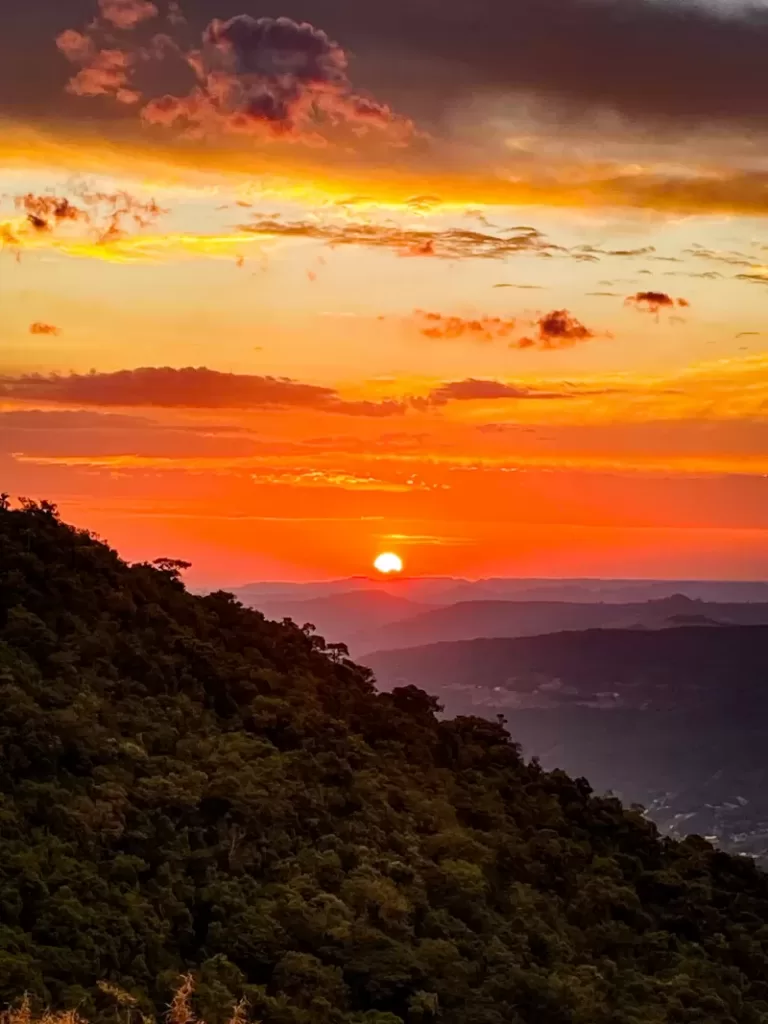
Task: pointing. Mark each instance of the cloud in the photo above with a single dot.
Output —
(63, 420)
(484, 328)
(504, 428)
(265, 77)
(556, 330)
(757, 277)
(592, 253)
(103, 71)
(473, 390)
(522, 287)
(690, 63)
(104, 215)
(40, 328)
(44, 212)
(126, 14)
(654, 302)
(449, 243)
(165, 387)
(88, 437)
(731, 258)
(187, 388)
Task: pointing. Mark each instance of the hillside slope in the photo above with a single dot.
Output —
(186, 785)
(676, 719)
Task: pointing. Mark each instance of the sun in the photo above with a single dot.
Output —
(388, 563)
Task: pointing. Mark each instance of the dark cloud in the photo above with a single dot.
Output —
(682, 62)
(38, 327)
(674, 61)
(654, 302)
(187, 388)
(451, 243)
(249, 75)
(555, 330)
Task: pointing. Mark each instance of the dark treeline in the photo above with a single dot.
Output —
(186, 785)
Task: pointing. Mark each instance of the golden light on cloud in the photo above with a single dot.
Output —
(388, 563)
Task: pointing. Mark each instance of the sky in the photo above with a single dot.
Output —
(482, 282)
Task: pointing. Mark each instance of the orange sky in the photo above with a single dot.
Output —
(276, 349)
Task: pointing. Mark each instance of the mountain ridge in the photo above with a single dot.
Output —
(187, 786)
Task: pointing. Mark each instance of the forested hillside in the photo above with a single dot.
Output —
(185, 785)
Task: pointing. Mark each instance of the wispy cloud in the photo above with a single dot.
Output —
(448, 243)
(91, 219)
(449, 328)
(473, 390)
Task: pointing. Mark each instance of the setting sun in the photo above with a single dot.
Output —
(389, 563)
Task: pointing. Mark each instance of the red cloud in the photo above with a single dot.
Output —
(106, 212)
(557, 329)
(40, 328)
(654, 302)
(43, 212)
(107, 74)
(104, 71)
(484, 328)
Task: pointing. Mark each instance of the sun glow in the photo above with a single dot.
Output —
(388, 563)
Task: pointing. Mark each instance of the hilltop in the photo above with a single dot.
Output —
(187, 785)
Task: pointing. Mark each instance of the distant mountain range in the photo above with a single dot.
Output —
(373, 620)
(344, 616)
(444, 590)
(675, 719)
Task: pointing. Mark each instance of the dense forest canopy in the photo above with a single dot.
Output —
(185, 785)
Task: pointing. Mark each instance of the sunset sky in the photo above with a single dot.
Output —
(483, 282)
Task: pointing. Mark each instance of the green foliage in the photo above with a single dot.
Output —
(187, 786)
